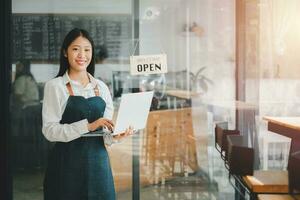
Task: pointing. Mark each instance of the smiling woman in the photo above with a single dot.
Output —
(74, 104)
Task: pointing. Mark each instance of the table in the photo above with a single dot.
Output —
(277, 197)
(269, 181)
(286, 126)
(183, 94)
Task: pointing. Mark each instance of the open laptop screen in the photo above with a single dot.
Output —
(133, 111)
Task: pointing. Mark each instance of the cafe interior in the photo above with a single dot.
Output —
(224, 122)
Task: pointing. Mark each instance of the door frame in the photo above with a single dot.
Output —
(5, 82)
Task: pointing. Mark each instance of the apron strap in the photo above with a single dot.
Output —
(71, 93)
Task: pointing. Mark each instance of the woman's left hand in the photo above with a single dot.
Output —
(129, 131)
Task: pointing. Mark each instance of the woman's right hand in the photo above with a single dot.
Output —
(101, 122)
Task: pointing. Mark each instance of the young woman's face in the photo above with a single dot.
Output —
(79, 54)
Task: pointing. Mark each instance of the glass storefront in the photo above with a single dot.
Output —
(229, 63)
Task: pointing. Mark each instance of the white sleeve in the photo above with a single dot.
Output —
(52, 114)
(109, 109)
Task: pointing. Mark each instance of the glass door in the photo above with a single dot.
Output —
(173, 157)
(38, 30)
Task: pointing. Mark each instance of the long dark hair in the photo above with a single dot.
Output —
(70, 37)
(25, 69)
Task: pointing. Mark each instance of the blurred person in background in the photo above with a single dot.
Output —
(25, 118)
(25, 90)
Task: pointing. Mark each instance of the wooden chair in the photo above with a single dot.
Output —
(267, 182)
(241, 162)
(170, 143)
(294, 172)
(277, 182)
(240, 156)
(221, 142)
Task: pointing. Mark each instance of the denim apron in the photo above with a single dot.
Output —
(80, 169)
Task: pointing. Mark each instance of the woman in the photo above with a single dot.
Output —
(76, 103)
(25, 88)
(25, 115)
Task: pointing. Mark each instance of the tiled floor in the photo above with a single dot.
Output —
(189, 188)
(194, 187)
(210, 182)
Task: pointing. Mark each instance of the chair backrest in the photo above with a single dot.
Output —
(220, 126)
(294, 172)
(170, 138)
(218, 135)
(225, 135)
(240, 156)
(221, 139)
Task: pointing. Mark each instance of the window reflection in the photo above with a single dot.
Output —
(176, 159)
(29, 146)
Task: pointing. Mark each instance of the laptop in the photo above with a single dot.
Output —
(133, 111)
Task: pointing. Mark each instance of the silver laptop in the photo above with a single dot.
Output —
(133, 111)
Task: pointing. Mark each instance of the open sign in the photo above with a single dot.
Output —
(148, 64)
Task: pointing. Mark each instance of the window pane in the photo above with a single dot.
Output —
(38, 32)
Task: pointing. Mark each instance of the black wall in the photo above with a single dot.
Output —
(39, 36)
(5, 74)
